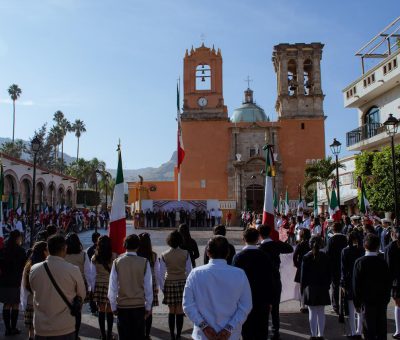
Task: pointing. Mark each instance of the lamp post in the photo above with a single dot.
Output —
(97, 205)
(253, 177)
(35, 147)
(391, 126)
(335, 148)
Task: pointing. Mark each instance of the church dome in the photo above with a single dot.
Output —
(249, 112)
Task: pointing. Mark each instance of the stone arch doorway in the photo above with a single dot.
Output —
(11, 191)
(61, 196)
(26, 194)
(40, 195)
(69, 197)
(51, 195)
(255, 198)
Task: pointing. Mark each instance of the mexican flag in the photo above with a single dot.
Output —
(363, 202)
(286, 202)
(181, 150)
(19, 206)
(300, 205)
(118, 218)
(315, 203)
(1, 205)
(334, 209)
(268, 213)
(275, 202)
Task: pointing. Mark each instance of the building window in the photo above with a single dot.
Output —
(202, 183)
(369, 80)
(292, 77)
(253, 152)
(391, 65)
(371, 122)
(302, 126)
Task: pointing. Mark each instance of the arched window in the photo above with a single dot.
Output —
(203, 77)
(292, 77)
(307, 66)
(371, 122)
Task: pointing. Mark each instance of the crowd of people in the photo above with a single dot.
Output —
(171, 218)
(231, 296)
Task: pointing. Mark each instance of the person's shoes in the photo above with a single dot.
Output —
(313, 338)
(396, 336)
(8, 332)
(276, 336)
(320, 337)
(15, 331)
(304, 310)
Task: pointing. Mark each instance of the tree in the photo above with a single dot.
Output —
(43, 156)
(54, 138)
(375, 169)
(321, 171)
(15, 92)
(65, 127)
(13, 149)
(78, 127)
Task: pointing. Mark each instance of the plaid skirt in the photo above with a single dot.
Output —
(173, 292)
(100, 293)
(28, 316)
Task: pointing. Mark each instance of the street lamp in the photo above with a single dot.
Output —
(253, 177)
(35, 147)
(391, 126)
(335, 148)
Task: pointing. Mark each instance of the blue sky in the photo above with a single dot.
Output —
(114, 64)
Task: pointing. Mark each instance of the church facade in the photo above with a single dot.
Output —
(224, 156)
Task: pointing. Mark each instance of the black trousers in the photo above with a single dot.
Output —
(256, 325)
(374, 322)
(275, 309)
(131, 324)
(70, 336)
(335, 293)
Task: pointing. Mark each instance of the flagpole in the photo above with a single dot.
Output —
(179, 123)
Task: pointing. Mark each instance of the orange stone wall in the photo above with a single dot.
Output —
(166, 190)
(207, 145)
(296, 146)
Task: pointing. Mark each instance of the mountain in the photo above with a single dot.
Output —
(67, 158)
(165, 172)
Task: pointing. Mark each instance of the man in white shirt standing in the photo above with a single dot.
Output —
(217, 297)
(130, 291)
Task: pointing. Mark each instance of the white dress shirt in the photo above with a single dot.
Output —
(219, 295)
(163, 269)
(113, 287)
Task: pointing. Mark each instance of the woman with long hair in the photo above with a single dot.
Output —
(189, 244)
(99, 280)
(76, 256)
(302, 249)
(39, 254)
(315, 282)
(175, 266)
(12, 262)
(349, 256)
(146, 251)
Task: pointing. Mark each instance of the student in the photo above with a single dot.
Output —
(392, 257)
(371, 289)
(130, 291)
(258, 268)
(217, 297)
(349, 256)
(315, 281)
(274, 249)
(175, 265)
(221, 230)
(189, 244)
(90, 252)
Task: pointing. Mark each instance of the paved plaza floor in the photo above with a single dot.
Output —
(294, 325)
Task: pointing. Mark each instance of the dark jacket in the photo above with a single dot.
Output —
(274, 249)
(302, 249)
(392, 257)
(315, 279)
(258, 268)
(193, 250)
(334, 251)
(232, 252)
(371, 281)
(11, 267)
(349, 256)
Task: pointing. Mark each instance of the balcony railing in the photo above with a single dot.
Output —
(363, 132)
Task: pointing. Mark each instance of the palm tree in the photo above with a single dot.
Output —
(78, 127)
(321, 171)
(65, 127)
(54, 139)
(14, 91)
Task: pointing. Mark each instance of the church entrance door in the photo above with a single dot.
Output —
(255, 198)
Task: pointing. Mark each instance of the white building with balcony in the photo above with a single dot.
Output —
(375, 94)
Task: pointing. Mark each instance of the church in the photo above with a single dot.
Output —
(224, 158)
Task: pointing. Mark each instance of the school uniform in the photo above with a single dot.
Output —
(371, 292)
(392, 257)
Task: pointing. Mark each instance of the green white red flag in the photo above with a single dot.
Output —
(287, 202)
(363, 203)
(117, 217)
(334, 209)
(180, 149)
(268, 213)
(315, 203)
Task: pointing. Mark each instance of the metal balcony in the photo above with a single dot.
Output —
(363, 132)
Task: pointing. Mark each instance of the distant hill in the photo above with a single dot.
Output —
(67, 158)
(165, 172)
